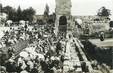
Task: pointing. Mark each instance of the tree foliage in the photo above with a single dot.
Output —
(0, 7)
(46, 12)
(28, 14)
(10, 11)
(17, 15)
(103, 12)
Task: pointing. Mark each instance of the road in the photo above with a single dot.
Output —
(106, 43)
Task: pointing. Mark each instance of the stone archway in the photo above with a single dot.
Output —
(62, 20)
(62, 25)
(63, 11)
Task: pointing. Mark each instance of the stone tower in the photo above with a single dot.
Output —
(63, 16)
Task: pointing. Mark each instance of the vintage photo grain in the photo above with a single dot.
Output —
(56, 36)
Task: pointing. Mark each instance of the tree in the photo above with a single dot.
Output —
(103, 12)
(10, 12)
(1, 8)
(46, 12)
(54, 17)
(19, 14)
(27, 14)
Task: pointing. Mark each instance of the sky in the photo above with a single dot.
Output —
(79, 7)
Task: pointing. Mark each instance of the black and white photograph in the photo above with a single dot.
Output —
(56, 36)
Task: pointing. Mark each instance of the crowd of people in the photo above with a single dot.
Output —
(44, 53)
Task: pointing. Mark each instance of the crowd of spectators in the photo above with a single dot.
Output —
(44, 53)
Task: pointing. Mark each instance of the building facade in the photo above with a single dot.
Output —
(63, 17)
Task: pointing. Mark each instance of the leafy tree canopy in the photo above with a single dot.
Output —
(103, 11)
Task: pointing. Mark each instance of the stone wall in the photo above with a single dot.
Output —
(63, 7)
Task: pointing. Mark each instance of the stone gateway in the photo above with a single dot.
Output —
(63, 16)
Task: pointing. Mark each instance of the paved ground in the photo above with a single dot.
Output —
(105, 43)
